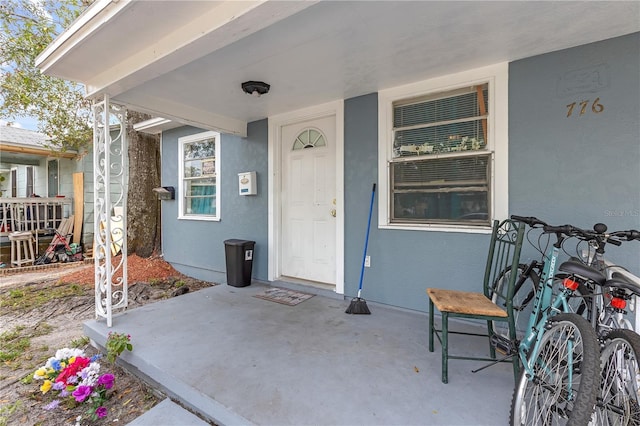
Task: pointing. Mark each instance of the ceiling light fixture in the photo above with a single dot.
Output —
(255, 88)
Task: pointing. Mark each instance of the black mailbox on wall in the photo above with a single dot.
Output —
(165, 193)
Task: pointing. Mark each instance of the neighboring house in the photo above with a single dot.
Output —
(461, 112)
(29, 168)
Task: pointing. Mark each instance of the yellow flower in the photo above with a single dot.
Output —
(72, 360)
(46, 386)
(41, 372)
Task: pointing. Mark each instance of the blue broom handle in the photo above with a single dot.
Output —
(366, 240)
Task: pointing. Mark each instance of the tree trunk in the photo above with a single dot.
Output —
(143, 208)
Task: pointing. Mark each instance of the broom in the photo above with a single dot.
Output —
(359, 305)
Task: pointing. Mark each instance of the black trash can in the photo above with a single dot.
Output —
(239, 259)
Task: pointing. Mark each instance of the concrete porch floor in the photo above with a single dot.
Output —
(236, 359)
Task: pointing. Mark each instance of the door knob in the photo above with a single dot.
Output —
(333, 212)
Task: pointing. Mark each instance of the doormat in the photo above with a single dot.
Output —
(284, 296)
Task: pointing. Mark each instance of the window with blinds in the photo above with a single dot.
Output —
(440, 169)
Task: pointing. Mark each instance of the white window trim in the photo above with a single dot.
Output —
(189, 139)
(497, 76)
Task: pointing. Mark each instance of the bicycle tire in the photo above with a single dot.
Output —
(523, 300)
(545, 398)
(618, 402)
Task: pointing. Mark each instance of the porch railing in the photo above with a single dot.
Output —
(37, 215)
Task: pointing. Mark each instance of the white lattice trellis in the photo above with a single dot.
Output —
(110, 206)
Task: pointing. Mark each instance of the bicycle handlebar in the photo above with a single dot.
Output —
(614, 242)
(628, 235)
(529, 220)
(534, 222)
(599, 233)
(564, 229)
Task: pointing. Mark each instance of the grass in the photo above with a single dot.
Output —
(28, 298)
(7, 411)
(14, 344)
(80, 342)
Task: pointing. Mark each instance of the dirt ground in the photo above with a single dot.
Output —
(41, 312)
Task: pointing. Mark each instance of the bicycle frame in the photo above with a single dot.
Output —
(545, 306)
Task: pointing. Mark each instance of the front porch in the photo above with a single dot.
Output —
(237, 359)
(37, 215)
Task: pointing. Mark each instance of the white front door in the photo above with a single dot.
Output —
(308, 197)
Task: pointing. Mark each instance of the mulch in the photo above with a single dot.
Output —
(139, 269)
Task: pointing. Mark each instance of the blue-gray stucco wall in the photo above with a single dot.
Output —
(580, 169)
(196, 248)
(403, 263)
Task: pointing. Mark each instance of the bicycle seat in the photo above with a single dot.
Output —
(620, 281)
(577, 268)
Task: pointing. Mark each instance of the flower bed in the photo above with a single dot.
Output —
(73, 378)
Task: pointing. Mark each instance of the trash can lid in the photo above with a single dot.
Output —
(236, 242)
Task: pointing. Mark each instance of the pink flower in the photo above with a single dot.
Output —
(106, 380)
(67, 375)
(82, 392)
(101, 412)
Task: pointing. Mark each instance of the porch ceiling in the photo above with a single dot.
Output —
(186, 60)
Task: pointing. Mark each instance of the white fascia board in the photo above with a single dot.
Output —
(85, 25)
(155, 125)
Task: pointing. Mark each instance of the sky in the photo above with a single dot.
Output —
(25, 122)
(28, 123)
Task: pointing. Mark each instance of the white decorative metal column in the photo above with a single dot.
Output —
(110, 175)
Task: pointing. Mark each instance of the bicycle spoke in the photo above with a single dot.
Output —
(618, 399)
(559, 389)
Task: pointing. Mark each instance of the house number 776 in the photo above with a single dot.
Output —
(596, 107)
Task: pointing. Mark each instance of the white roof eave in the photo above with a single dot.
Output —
(224, 23)
(96, 16)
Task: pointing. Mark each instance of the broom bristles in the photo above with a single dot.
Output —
(358, 306)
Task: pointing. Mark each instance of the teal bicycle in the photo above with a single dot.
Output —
(559, 350)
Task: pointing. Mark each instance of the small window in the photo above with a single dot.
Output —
(14, 182)
(29, 181)
(309, 138)
(199, 176)
(52, 178)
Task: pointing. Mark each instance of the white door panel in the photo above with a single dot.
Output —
(308, 200)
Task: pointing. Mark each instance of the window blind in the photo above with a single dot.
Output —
(447, 122)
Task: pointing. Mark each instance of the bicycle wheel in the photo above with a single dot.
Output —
(566, 376)
(618, 399)
(523, 297)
